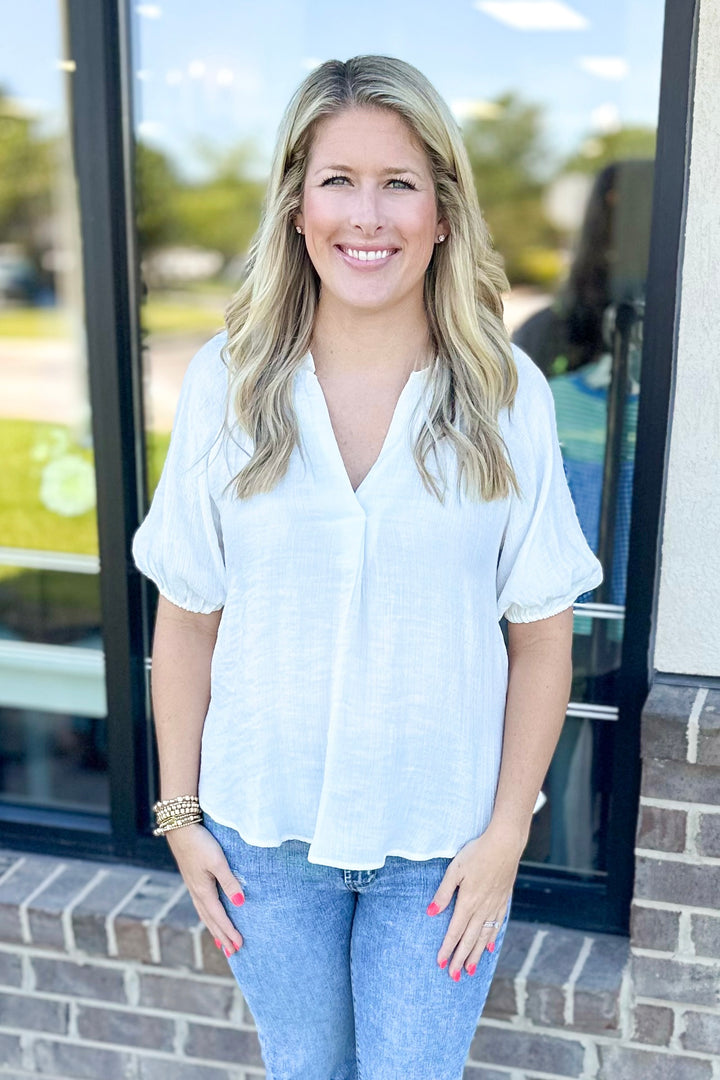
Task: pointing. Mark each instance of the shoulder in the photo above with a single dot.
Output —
(203, 400)
(533, 405)
(207, 372)
(204, 390)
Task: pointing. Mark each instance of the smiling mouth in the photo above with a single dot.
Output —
(358, 255)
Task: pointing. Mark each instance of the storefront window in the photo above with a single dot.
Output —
(558, 106)
(52, 679)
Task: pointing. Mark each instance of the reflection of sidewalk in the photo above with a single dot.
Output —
(39, 380)
(45, 379)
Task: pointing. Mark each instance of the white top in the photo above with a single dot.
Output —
(359, 677)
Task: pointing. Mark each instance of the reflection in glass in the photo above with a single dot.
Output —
(52, 698)
(559, 122)
(53, 759)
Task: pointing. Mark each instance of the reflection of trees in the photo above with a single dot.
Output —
(626, 144)
(156, 185)
(220, 213)
(26, 174)
(507, 157)
(510, 165)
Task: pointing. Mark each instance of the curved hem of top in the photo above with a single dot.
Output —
(412, 856)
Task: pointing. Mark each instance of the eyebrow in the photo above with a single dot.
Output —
(383, 172)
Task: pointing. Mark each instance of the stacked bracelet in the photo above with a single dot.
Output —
(174, 813)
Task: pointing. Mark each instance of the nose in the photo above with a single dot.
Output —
(366, 211)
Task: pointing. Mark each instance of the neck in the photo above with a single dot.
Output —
(374, 344)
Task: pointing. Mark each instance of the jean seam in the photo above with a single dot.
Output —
(358, 1064)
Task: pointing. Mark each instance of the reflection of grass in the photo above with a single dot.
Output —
(24, 521)
(168, 316)
(32, 322)
(159, 316)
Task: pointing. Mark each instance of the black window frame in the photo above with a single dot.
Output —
(98, 40)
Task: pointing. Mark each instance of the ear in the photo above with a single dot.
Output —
(299, 220)
(443, 228)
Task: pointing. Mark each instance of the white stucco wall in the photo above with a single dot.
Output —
(688, 617)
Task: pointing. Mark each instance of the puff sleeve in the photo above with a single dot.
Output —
(545, 562)
(179, 545)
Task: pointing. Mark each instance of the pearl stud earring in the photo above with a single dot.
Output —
(297, 227)
(441, 237)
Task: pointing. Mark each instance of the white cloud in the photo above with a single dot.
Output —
(605, 67)
(534, 14)
(466, 109)
(606, 118)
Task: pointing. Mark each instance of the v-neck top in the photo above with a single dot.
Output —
(359, 677)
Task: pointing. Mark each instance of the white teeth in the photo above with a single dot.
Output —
(366, 256)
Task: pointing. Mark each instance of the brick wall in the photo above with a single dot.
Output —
(675, 915)
(106, 972)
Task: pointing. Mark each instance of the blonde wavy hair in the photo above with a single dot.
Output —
(270, 318)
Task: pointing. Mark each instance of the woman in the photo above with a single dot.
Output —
(328, 625)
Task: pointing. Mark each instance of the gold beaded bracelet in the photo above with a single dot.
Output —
(177, 812)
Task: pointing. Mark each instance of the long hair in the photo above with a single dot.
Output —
(270, 318)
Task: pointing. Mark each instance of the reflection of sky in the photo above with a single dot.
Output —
(224, 69)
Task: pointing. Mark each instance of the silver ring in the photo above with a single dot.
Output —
(495, 924)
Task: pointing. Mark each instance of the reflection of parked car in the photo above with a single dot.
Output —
(19, 280)
(179, 265)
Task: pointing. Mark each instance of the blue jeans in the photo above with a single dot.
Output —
(339, 968)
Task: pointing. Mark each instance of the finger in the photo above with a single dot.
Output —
(444, 893)
(211, 911)
(467, 944)
(227, 947)
(486, 941)
(229, 884)
(456, 928)
(227, 937)
(473, 959)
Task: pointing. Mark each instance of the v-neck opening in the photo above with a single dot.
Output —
(309, 366)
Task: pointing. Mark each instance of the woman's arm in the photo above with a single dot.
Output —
(484, 870)
(182, 653)
(180, 684)
(539, 680)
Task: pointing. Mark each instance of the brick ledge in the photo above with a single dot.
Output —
(81, 910)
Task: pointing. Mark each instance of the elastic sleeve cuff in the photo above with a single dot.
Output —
(518, 613)
(179, 594)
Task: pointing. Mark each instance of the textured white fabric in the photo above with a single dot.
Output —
(360, 673)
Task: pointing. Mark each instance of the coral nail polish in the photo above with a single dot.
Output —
(218, 943)
(443, 963)
(238, 899)
(432, 909)
(471, 969)
(490, 946)
(456, 976)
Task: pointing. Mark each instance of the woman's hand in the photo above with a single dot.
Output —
(483, 871)
(203, 866)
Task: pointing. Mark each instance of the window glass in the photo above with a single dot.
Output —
(52, 688)
(558, 106)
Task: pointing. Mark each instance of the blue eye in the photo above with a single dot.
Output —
(330, 182)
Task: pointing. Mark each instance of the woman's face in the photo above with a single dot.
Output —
(368, 210)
